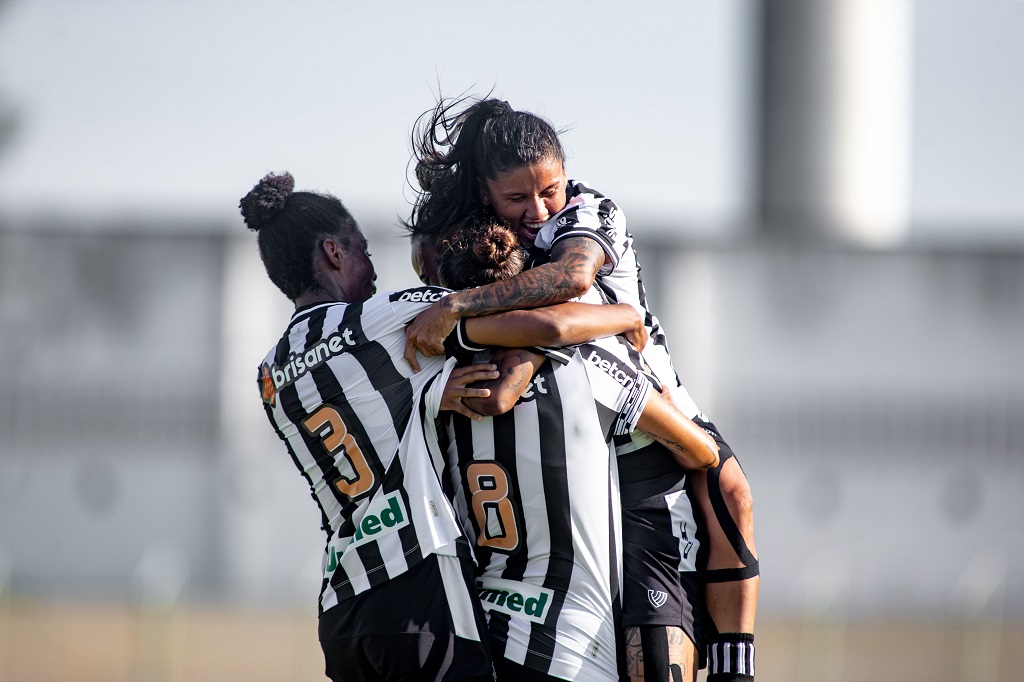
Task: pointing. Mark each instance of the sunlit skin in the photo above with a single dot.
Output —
(361, 273)
(343, 273)
(527, 196)
(424, 260)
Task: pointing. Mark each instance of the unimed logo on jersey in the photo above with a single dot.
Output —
(384, 515)
(520, 600)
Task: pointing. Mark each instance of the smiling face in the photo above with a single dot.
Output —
(527, 196)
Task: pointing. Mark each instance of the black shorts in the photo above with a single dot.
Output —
(662, 538)
(425, 624)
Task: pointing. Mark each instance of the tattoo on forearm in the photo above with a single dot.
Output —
(634, 654)
(578, 257)
(515, 376)
(677, 446)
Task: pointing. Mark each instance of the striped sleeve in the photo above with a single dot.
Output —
(409, 303)
(587, 213)
(617, 383)
(633, 406)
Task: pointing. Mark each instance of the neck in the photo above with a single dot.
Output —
(310, 297)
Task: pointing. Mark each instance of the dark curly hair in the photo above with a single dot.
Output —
(480, 250)
(291, 226)
(457, 147)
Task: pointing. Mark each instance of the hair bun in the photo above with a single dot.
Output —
(266, 199)
(493, 244)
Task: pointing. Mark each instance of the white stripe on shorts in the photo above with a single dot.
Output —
(460, 599)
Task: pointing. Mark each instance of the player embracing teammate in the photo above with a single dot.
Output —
(537, 485)
(484, 156)
(398, 598)
(358, 397)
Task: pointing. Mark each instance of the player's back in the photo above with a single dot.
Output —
(538, 488)
(338, 391)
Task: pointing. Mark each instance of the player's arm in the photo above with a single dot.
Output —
(565, 324)
(572, 270)
(692, 447)
(458, 390)
(516, 367)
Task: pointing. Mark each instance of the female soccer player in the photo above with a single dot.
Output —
(537, 484)
(359, 425)
(487, 156)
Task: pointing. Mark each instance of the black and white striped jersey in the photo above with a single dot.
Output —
(537, 489)
(589, 213)
(358, 424)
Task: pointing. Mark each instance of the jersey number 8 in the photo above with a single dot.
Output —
(495, 515)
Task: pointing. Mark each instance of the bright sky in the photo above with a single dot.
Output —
(181, 106)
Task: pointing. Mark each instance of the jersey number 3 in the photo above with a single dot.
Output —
(328, 425)
(495, 515)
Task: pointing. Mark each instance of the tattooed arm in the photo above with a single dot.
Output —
(680, 655)
(691, 446)
(574, 265)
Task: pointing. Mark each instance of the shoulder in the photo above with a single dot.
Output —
(587, 207)
(405, 304)
(587, 213)
(384, 312)
(416, 295)
(582, 189)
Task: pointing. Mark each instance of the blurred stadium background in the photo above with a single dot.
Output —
(828, 198)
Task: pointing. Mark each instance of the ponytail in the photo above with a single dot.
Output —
(456, 148)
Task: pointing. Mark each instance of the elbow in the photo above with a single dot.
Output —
(560, 330)
(708, 453)
(576, 284)
(711, 457)
(548, 329)
(699, 456)
(492, 406)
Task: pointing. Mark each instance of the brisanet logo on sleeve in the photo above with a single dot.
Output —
(516, 599)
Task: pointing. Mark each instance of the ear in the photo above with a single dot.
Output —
(485, 196)
(333, 254)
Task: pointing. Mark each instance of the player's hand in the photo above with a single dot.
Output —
(428, 331)
(458, 388)
(637, 336)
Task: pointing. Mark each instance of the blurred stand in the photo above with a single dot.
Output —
(836, 111)
(981, 590)
(874, 398)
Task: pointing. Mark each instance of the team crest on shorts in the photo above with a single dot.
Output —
(657, 597)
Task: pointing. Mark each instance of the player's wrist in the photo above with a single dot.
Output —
(453, 307)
